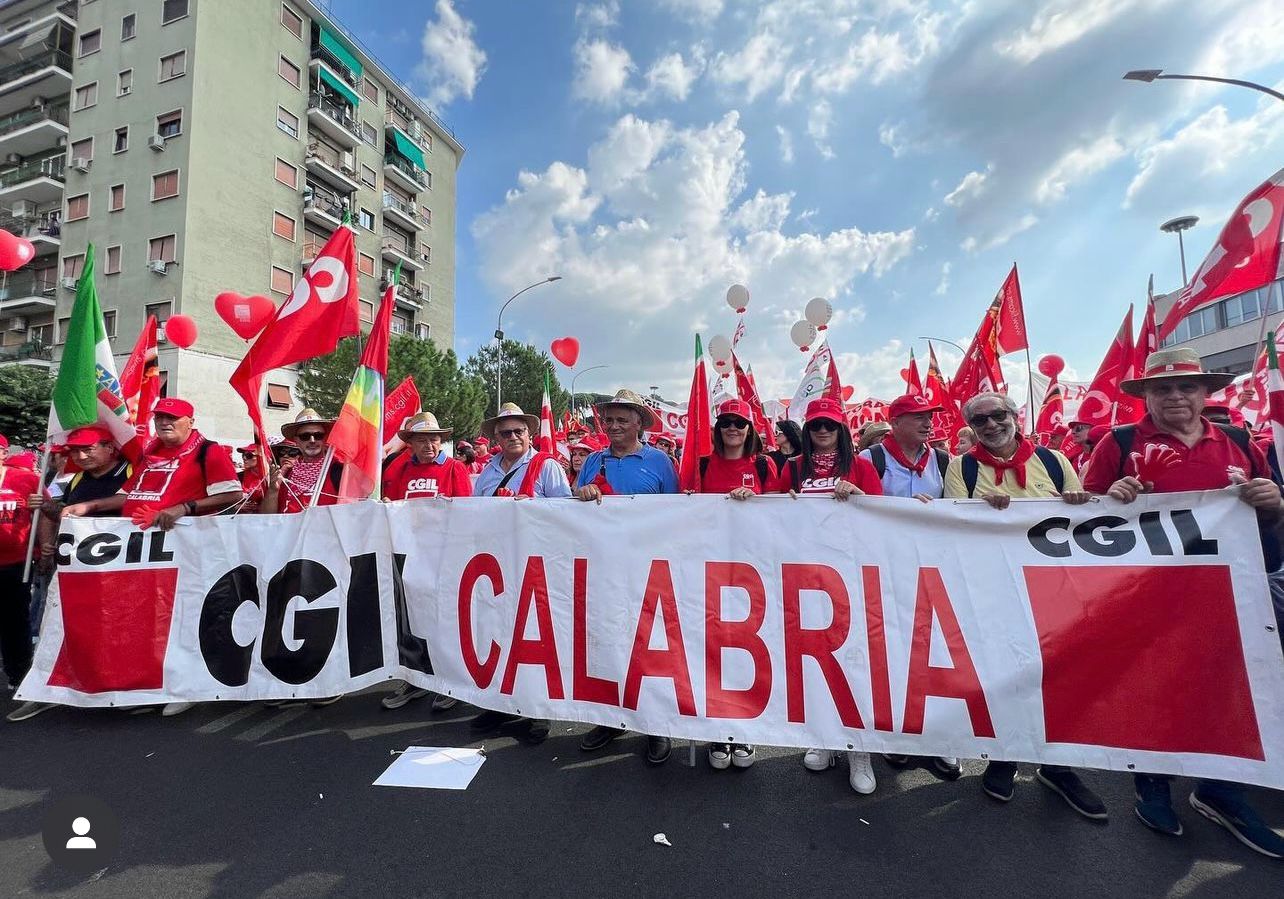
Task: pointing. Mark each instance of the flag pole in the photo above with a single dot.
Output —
(36, 513)
(323, 477)
(1029, 400)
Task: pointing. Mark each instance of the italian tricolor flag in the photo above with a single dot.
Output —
(357, 435)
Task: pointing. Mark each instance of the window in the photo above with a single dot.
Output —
(112, 264)
(282, 280)
(173, 66)
(426, 291)
(120, 142)
(72, 266)
(109, 322)
(292, 21)
(78, 207)
(83, 149)
(165, 185)
(63, 325)
(400, 324)
(161, 249)
(369, 134)
(425, 138)
(173, 10)
(287, 174)
(365, 218)
(116, 198)
(427, 251)
(86, 96)
(290, 72)
(161, 310)
(287, 122)
(91, 42)
(423, 332)
(367, 310)
(426, 213)
(365, 264)
(124, 82)
(128, 27)
(370, 90)
(170, 124)
(369, 176)
(283, 226)
(428, 179)
(278, 396)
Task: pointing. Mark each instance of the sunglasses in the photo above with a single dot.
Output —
(290, 454)
(998, 416)
(823, 425)
(738, 423)
(511, 432)
(312, 435)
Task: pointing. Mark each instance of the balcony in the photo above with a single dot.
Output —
(46, 74)
(404, 173)
(323, 207)
(312, 246)
(402, 213)
(24, 293)
(33, 130)
(44, 229)
(34, 353)
(397, 249)
(39, 180)
(407, 296)
(408, 126)
(336, 168)
(334, 118)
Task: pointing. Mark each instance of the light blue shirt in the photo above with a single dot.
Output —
(648, 470)
(901, 481)
(551, 481)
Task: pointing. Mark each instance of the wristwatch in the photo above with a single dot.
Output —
(190, 506)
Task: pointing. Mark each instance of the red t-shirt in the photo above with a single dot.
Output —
(407, 479)
(1202, 467)
(16, 484)
(170, 476)
(724, 475)
(862, 474)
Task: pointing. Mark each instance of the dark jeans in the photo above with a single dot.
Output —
(15, 623)
(1011, 767)
(1208, 789)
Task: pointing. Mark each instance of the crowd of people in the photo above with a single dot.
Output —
(183, 474)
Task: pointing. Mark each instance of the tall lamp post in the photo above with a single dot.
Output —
(1149, 75)
(1176, 226)
(576, 377)
(499, 340)
(950, 342)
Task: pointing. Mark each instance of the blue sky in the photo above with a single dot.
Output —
(894, 156)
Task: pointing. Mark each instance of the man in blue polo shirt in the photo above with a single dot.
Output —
(628, 466)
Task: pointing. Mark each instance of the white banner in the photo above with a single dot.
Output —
(1131, 637)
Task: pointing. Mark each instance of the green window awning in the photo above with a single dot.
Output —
(340, 85)
(342, 53)
(406, 147)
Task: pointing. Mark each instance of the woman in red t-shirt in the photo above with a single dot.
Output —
(828, 462)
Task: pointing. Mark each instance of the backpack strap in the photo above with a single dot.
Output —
(795, 475)
(878, 456)
(1240, 438)
(760, 465)
(1123, 435)
(971, 471)
(942, 462)
(1053, 466)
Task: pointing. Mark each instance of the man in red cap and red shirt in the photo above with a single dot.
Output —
(18, 487)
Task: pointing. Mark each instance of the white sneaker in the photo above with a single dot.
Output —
(818, 760)
(742, 755)
(862, 773)
(720, 756)
(176, 708)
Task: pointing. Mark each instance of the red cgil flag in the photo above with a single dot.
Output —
(749, 393)
(1148, 337)
(980, 370)
(699, 439)
(937, 392)
(140, 379)
(1052, 412)
(1009, 324)
(1246, 255)
(1099, 406)
(833, 386)
(913, 384)
(398, 405)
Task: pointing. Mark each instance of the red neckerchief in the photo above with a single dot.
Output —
(1025, 449)
(894, 450)
(600, 482)
(159, 452)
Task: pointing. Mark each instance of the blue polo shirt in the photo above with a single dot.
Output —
(647, 470)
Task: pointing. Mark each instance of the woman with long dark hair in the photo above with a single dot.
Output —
(788, 443)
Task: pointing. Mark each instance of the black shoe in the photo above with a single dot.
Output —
(999, 781)
(947, 768)
(1074, 791)
(491, 720)
(599, 737)
(658, 750)
(898, 761)
(1232, 812)
(536, 731)
(1155, 805)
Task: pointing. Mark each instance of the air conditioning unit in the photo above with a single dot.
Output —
(69, 283)
(156, 142)
(125, 90)
(24, 209)
(158, 267)
(348, 163)
(17, 323)
(160, 334)
(80, 164)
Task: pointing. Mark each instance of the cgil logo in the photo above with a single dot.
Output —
(1110, 536)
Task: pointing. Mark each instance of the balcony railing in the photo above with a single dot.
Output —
(19, 120)
(328, 154)
(45, 224)
(339, 111)
(50, 167)
(35, 64)
(398, 244)
(323, 54)
(409, 291)
(32, 349)
(406, 167)
(35, 283)
(324, 199)
(408, 209)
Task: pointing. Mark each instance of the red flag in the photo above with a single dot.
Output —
(937, 392)
(913, 385)
(833, 386)
(1098, 407)
(1246, 255)
(357, 435)
(749, 393)
(1052, 412)
(320, 311)
(140, 379)
(1009, 328)
(699, 441)
(769, 436)
(546, 441)
(980, 370)
(399, 405)
(1148, 337)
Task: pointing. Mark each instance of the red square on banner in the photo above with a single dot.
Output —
(115, 628)
(1142, 657)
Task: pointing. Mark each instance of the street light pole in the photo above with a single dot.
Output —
(499, 340)
(1149, 75)
(1176, 226)
(576, 376)
(943, 340)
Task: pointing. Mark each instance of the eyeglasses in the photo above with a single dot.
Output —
(998, 416)
(312, 435)
(290, 454)
(738, 423)
(823, 425)
(511, 432)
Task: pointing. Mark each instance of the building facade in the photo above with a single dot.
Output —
(215, 145)
(1227, 334)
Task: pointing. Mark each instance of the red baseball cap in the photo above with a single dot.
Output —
(910, 404)
(172, 405)
(736, 407)
(824, 407)
(88, 436)
(248, 448)
(585, 444)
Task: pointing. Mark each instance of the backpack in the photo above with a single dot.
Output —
(759, 464)
(1124, 435)
(878, 456)
(972, 469)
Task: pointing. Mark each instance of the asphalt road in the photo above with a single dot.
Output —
(236, 800)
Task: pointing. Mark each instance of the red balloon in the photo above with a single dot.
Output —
(1051, 365)
(180, 330)
(566, 350)
(848, 392)
(15, 252)
(245, 315)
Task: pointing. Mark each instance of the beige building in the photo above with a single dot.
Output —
(1226, 334)
(204, 146)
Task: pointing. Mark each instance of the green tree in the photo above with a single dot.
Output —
(456, 398)
(524, 368)
(25, 394)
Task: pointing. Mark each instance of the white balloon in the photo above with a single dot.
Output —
(802, 334)
(819, 312)
(738, 297)
(722, 364)
(719, 348)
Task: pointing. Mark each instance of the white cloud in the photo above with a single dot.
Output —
(1000, 236)
(452, 63)
(704, 11)
(598, 15)
(601, 71)
(819, 121)
(893, 137)
(671, 77)
(943, 286)
(972, 186)
(1063, 22)
(1078, 164)
(757, 66)
(762, 212)
(786, 145)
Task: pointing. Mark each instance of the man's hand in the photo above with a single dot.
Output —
(922, 497)
(1075, 497)
(1261, 494)
(165, 518)
(845, 489)
(1126, 489)
(590, 493)
(741, 493)
(997, 500)
(77, 510)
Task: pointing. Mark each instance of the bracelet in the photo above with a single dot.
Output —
(190, 506)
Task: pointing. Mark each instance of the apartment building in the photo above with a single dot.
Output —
(1226, 334)
(214, 145)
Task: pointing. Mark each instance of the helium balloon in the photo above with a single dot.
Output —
(819, 312)
(738, 297)
(848, 392)
(15, 252)
(180, 330)
(719, 348)
(246, 316)
(1051, 365)
(802, 334)
(565, 350)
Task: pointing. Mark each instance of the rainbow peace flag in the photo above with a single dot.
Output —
(357, 435)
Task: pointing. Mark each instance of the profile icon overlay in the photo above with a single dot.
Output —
(80, 833)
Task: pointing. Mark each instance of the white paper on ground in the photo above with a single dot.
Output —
(433, 767)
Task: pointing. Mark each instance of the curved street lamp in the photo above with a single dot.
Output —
(499, 340)
(943, 340)
(1149, 75)
(576, 376)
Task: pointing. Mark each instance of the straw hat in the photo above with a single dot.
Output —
(630, 400)
(421, 424)
(1178, 363)
(306, 417)
(509, 410)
